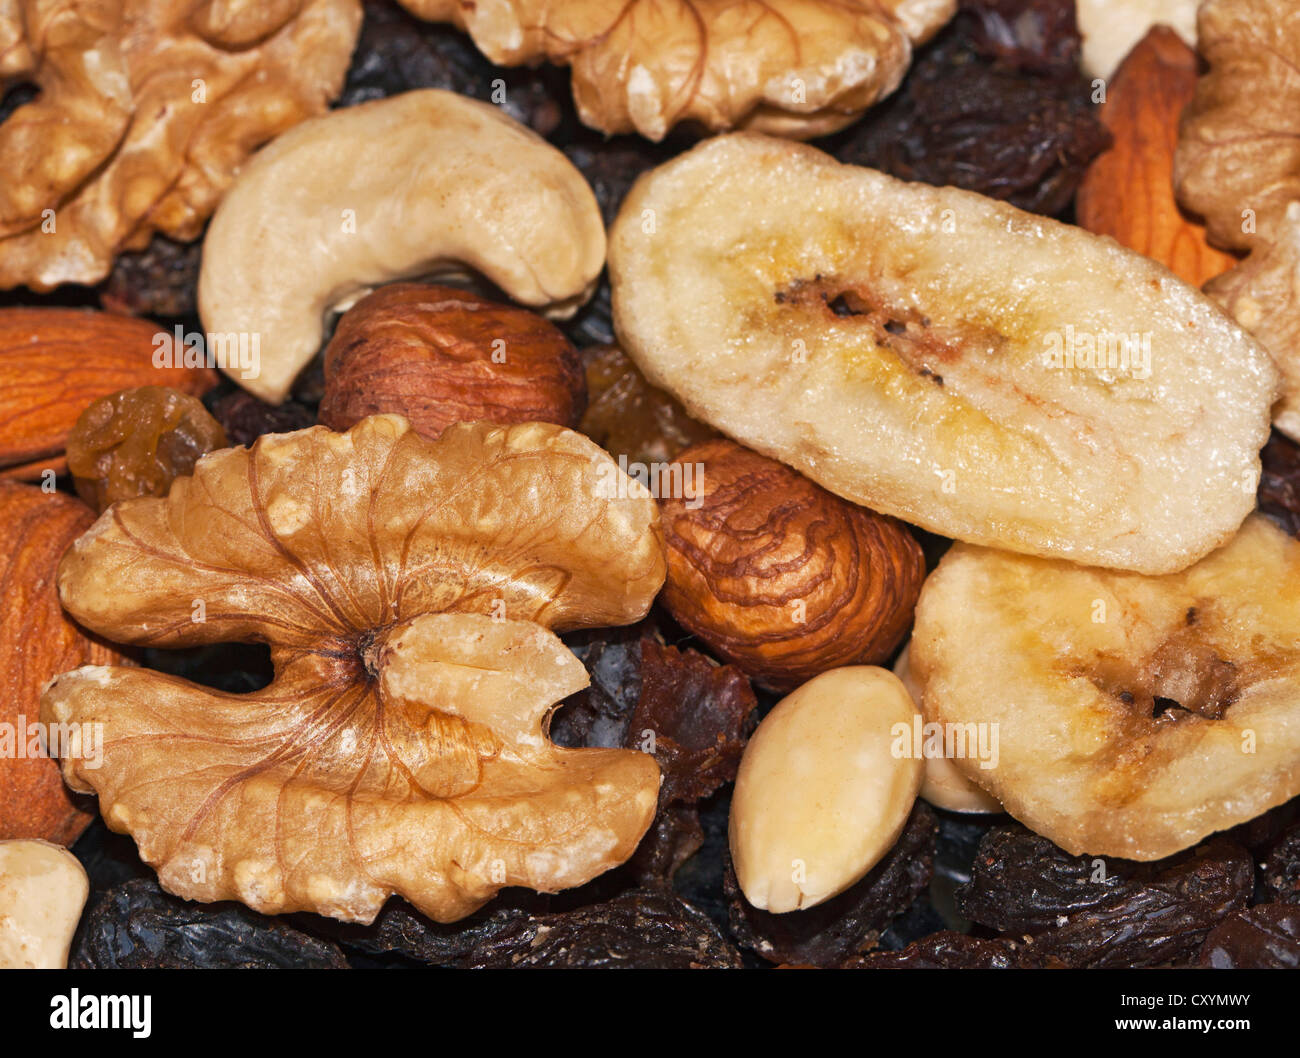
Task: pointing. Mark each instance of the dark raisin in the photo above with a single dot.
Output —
(138, 926)
(693, 715)
(995, 104)
(398, 52)
(851, 923)
(1279, 485)
(1085, 911)
(1264, 937)
(1280, 869)
(946, 950)
(160, 280)
(639, 929)
(245, 418)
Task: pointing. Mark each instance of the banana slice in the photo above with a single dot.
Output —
(988, 374)
(1134, 715)
(943, 785)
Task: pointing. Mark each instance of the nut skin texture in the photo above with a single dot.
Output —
(438, 355)
(136, 442)
(780, 577)
(54, 362)
(120, 143)
(411, 602)
(1143, 102)
(821, 796)
(43, 890)
(37, 642)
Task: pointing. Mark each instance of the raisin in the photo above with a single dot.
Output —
(1085, 911)
(398, 52)
(695, 716)
(245, 418)
(138, 926)
(160, 280)
(1280, 871)
(628, 417)
(946, 950)
(996, 104)
(638, 929)
(1279, 484)
(828, 934)
(1263, 937)
(136, 442)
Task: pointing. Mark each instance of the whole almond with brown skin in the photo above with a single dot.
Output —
(775, 574)
(54, 362)
(439, 355)
(1128, 191)
(37, 642)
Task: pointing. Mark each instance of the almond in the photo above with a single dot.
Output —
(37, 641)
(54, 362)
(1128, 191)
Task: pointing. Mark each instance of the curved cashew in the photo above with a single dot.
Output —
(405, 186)
(43, 890)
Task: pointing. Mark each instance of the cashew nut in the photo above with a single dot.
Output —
(411, 185)
(43, 890)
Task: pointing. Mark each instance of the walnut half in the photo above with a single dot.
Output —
(799, 68)
(408, 589)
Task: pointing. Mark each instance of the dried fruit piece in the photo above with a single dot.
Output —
(850, 923)
(811, 311)
(136, 442)
(943, 784)
(1143, 102)
(37, 642)
(638, 929)
(996, 105)
(1280, 871)
(54, 362)
(446, 183)
(400, 746)
(777, 575)
(245, 418)
(1265, 937)
(43, 890)
(945, 950)
(1135, 715)
(821, 795)
(693, 715)
(146, 110)
(628, 417)
(438, 355)
(137, 926)
(1089, 912)
(160, 280)
(797, 67)
(397, 53)
(1279, 484)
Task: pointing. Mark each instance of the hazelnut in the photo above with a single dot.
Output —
(779, 576)
(439, 355)
(821, 794)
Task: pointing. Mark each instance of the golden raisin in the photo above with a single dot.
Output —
(627, 416)
(136, 442)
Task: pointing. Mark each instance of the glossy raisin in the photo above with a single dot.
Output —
(851, 923)
(160, 280)
(138, 926)
(1263, 937)
(136, 442)
(245, 418)
(945, 950)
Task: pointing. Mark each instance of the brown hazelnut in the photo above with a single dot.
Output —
(439, 355)
(779, 576)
